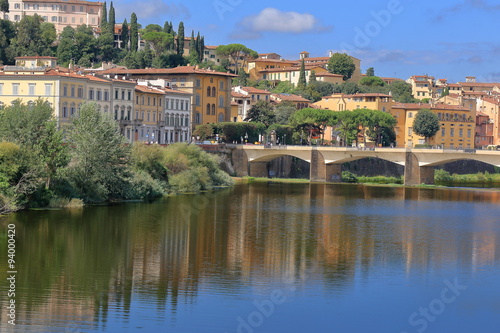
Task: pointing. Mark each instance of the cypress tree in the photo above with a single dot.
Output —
(180, 39)
(111, 19)
(201, 49)
(134, 33)
(4, 6)
(302, 76)
(125, 37)
(104, 17)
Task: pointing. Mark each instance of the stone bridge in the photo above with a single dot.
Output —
(326, 162)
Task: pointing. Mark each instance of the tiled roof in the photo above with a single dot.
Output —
(290, 97)
(479, 84)
(253, 90)
(418, 106)
(368, 95)
(238, 95)
(328, 74)
(149, 90)
(165, 71)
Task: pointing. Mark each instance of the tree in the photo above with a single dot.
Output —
(180, 39)
(7, 33)
(313, 122)
(104, 17)
(159, 41)
(446, 92)
(100, 156)
(341, 64)
(105, 43)
(30, 38)
(85, 45)
(235, 53)
(426, 124)
(347, 126)
(401, 92)
(302, 83)
(111, 20)
(370, 72)
(312, 78)
(134, 33)
(4, 6)
(125, 37)
(372, 81)
(201, 49)
(34, 129)
(284, 111)
(261, 112)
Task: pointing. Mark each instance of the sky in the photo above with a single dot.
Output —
(399, 38)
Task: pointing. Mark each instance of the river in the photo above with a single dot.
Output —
(263, 257)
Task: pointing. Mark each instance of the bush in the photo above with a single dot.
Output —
(442, 175)
(349, 177)
(143, 186)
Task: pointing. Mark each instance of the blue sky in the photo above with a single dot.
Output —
(399, 38)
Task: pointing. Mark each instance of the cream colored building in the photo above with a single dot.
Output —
(59, 12)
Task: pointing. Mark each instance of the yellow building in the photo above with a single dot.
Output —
(341, 102)
(457, 125)
(148, 112)
(491, 107)
(211, 90)
(258, 67)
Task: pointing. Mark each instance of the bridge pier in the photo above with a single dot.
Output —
(258, 169)
(321, 172)
(416, 174)
(239, 159)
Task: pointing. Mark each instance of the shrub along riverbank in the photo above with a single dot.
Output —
(92, 163)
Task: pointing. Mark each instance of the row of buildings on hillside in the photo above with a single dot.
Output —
(152, 105)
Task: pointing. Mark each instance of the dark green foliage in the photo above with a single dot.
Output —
(180, 39)
(342, 64)
(111, 20)
(261, 112)
(302, 83)
(426, 123)
(231, 132)
(104, 17)
(33, 37)
(370, 72)
(349, 177)
(125, 35)
(7, 33)
(134, 33)
(284, 111)
(236, 53)
(371, 81)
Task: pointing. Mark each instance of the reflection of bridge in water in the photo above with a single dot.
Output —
(326, 162)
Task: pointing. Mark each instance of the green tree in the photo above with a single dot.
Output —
(85, 45)
(372, 81)
(201, 49)
(261, 112)
(302, 83)
(401, 92)
(180, 39)
(4, 6)
(111, 20)
(341, 64)
(284, 111)
(426, 124)
(125, 36)
(32, 38)
(159, 41)
(236, 53)
(100, 162)
(446, 92)
(134, 33)
(313, 122)
(105, 44)
(7, 33)
(312, 77)
(347, 126)
(104, 17)
(370, 72)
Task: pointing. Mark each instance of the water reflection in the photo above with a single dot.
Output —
(87, 269)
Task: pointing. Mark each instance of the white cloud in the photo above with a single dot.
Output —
(274, 20)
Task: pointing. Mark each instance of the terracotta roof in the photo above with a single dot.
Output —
(491, 100)
(482, 114)
(165, 71)
(418, 106)
(253, 90)
(238, 95)
(479, 84)
(175, 91)
(328, 74)
(272, 60)
(368, 95)
(211, 47)
(148, 90)
(454, 85)
(234, 103)
(290, 97)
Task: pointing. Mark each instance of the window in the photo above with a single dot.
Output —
(31, 89)
(136, 99)
(208, 91)
(106, 95)
(99, 95)
(410, 131)
(198, 83)
(123, 95)
(72, 109)
(1, 88)
(65, 111)
(81, 8)
(208, 108)
(149, 100)
(26, 6)
(443, 131)
(17, 17)
(197, 100)
(221, 85)
(197, 118)
(72, 91)
(177, 104)
(154, 101)
(213, 92)
(213, 109)
(159, 101)
(91, 94)
(410, 115)
(129, 95)
(17, 6)
(182, 105)
(80, 92)
(461, 132)
(15, 88)
(73, 20)
(116, 94)
(65, 90)
(221, 118)
(469, 133)
(452, 132)
(221, 102)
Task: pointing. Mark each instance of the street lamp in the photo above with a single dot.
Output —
(246, 137)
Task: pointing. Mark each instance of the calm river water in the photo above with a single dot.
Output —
(261, 258)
